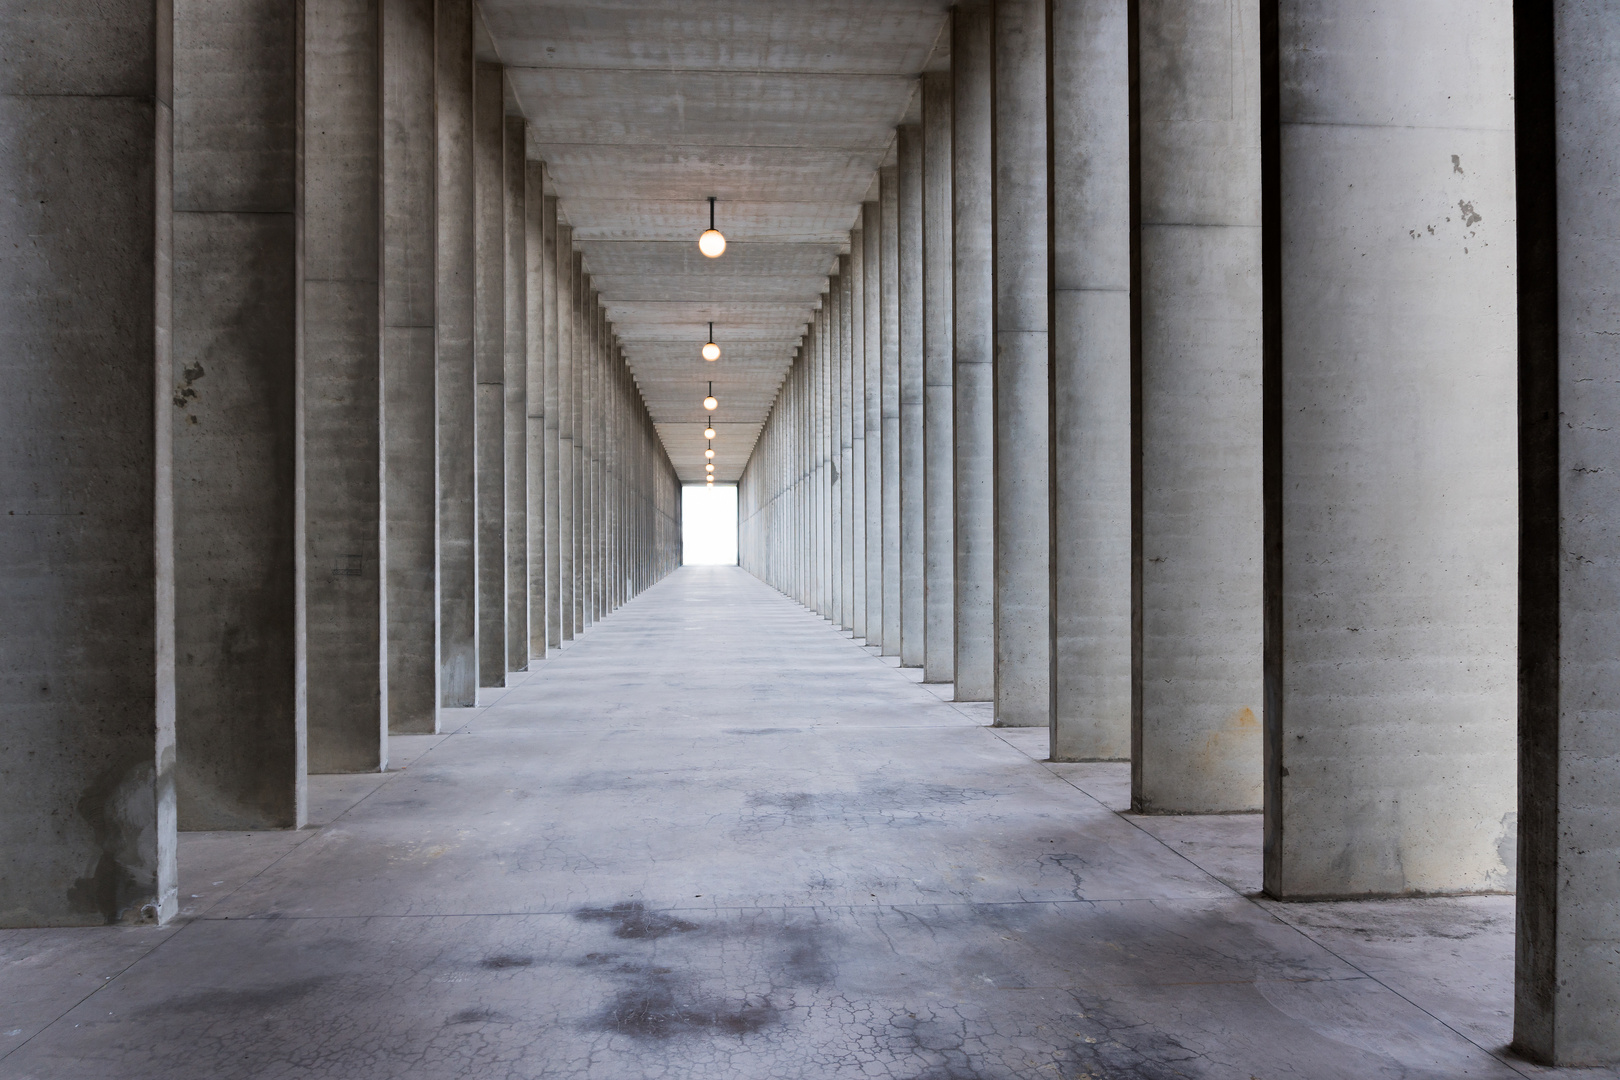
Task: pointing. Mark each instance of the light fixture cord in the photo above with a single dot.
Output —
(711, 211)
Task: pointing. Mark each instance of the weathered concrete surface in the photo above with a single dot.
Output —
(939, 558)
(1391, 662)
(518, 381)
(567, 325)
(410, 392)
(344, 569)
(510, 902)
(455, 259)
(489, 365)
(1196, 732)
(973, 324)
(909, 251)
(1091, 381)
(889, 301)
(1568, 981)
(539, 364)
(1020, 260)
(239, 700)
(87, 811)
(871, 233)
(858, 553)
(552, 312)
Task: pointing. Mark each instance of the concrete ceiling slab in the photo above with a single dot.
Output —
(783, 111)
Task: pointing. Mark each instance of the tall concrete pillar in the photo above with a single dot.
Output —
(581, 524)
(1198, 544)
(517, 394)
(344, 560)
(846, 448)
(456, 250)
(86, 564)
(566, 326)
(489, 359)
(1022, 542)
(939, 560)
(551, 316)
(1391, 496)
(889, 302)
(909, 212)
(539, 352)
(1091, 381)
(857, 424)
(410, 392)
(972, 329)
(240, 720)
(872, 359)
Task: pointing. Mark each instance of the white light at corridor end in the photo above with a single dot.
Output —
(709, 524)
(711, 243)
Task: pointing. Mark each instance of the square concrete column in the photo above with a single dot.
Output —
(1091, 381)
(939, 559)
(909, 252)
(1022, 543)
(410, 391)
(550, 315)
(539, 354)
(846, 448)
(239, 642)
(1196, 188)
(567, 325)
(518, 350)
(857, 426)
(456, 269)
(86, 564)
(1391, 486)
(344, 558)
(889, 322)
(973, 424)
(578, 491)
(489, 359)
(872, 382)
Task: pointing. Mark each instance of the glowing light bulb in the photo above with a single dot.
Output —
(708, 433)
(711, 351)
(710, 404)
(709, 453)
(708, 468)
(711, 243)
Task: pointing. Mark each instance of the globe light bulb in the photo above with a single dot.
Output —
(709, 453)
(708, 433)
(711, 243)
(708, 468)
(711, 351)
(710, 404)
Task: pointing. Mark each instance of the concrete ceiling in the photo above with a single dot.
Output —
(782, 109)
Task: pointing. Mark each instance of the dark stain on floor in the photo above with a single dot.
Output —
(633, 921)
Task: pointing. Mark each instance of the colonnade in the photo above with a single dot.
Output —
(1240, 415)
(314, 424)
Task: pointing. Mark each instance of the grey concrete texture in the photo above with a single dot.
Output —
(972, 330)
(913, 493)
(344, 571)
(554, 331)
(872, 353)
(566, 325)
(504, 904)
(516, 376)
(539, 360)
(1020, 263)
(489, 366)
(409, 374)
(858, 552)
(87, 804)
(1196, 732)
(1398, 507)
(239, 698)
(455, 266)
(939, 447)
(1090, 381)
(889, 323)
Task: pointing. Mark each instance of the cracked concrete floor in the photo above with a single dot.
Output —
(716, 839)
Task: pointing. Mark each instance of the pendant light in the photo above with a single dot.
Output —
(711, 243)
(711, 351)
(710, 404)
(708, 432)
(709, 467)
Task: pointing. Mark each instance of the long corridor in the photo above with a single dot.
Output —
(715, 839)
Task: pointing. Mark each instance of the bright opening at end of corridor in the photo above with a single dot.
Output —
(709, 525)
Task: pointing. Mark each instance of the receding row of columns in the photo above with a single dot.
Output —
(314, 422)
(1208, 442)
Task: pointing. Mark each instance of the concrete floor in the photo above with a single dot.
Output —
(716, 839)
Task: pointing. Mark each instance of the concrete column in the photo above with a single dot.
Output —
(1567, 1000)
(1023, 571)
(973, 328)
(566, 325)
(889, 303)
(489, 358)
(1091, 381)
(539, 353)
(581, 346)
(240, 720)
(517, 394)
(909, 210)
(457, 376)
(1391, 487)
(1196, 722)
(551, 315)
(872, 358)
(939, 590)
(857, 424)
(410, 393)
(846, 448)
(87, 789)
(344, 564)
